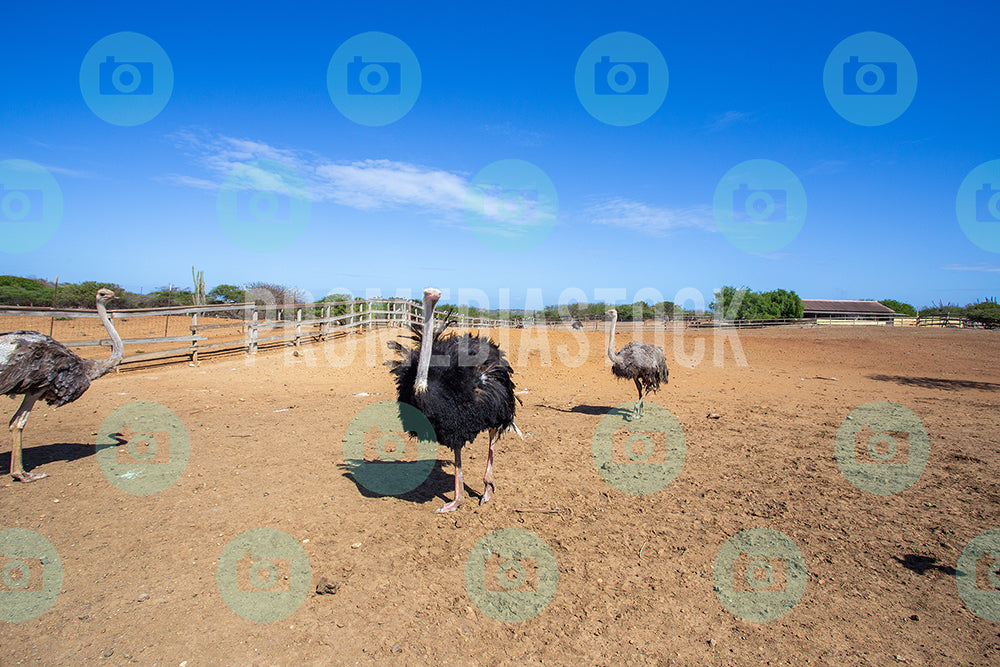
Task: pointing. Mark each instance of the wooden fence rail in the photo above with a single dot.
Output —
(298, 324)
(291, 323)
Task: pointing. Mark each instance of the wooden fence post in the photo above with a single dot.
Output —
(194, 338)
(298, 328)
(253, 331)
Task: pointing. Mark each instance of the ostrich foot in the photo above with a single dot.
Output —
(448, 507)
(28, 476)
(487, 493)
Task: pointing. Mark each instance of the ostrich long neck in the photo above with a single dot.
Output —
(611, 339)
(117, 347)
(426, 347)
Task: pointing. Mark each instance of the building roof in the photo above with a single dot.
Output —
(835, 306)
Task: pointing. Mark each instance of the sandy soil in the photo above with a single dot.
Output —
(635, 572)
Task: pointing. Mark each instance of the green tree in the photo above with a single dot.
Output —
(899, 307)
(743, 304)
(340, 309)
(942, 310)
(985, 312)
(16, 291)
(225, 294)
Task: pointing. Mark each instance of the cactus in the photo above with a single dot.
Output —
(199, 287)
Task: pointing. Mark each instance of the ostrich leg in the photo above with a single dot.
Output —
(489, 487)
(17, 423)
(637, 412)
(459, 487)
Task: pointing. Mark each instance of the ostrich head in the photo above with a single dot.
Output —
(612, 314)
(105, 295)
(431, 297)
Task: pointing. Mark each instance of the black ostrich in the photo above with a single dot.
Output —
(462, 384)
(637, 361)
(37, 366)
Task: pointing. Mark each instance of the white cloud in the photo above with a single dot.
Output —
(723, 121)
(966, 267)
(652, 220)
(72, 173)
(370, 184)
(826, 168)
(374, 184)
(364, 184)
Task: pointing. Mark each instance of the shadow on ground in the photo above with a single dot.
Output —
(937, 383)
(921, 564)
(438, 484)
(596, 410)
(61, 451)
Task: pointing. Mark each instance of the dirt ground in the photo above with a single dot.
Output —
(635, 572)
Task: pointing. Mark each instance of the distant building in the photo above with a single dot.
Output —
(838, 309)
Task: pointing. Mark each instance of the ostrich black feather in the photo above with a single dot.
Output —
(33, 363)
(469, 386)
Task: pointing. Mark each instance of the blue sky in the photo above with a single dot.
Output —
(387, 203)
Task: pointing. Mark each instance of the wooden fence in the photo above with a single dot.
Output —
(247, 327)
(280, 325)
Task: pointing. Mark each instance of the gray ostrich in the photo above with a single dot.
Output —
(641, 362)
(36, 366)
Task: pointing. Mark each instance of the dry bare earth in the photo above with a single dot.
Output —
(634, 572)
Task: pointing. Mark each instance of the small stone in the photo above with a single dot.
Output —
(397, 649)
(356, 545)
(326, 587)
(108, 653)
(711, 642)
(914, 617)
